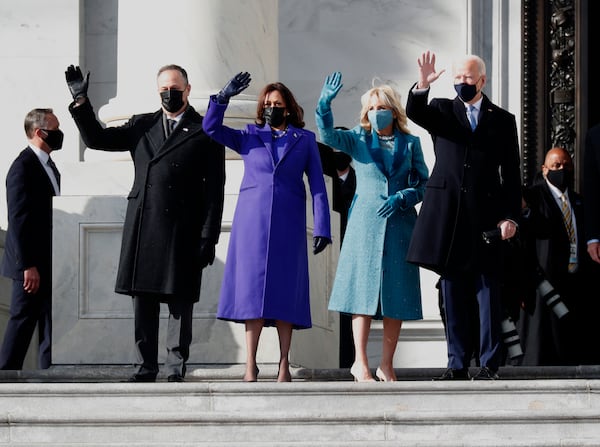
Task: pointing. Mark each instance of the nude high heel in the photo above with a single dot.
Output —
(361, 374)
(249, 377)
(382, 377)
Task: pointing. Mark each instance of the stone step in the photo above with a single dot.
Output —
(319, 408)
(268, 372)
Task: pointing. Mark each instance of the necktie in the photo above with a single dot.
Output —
(54, 170)
(472, 116)
(171, 125)
(566, 211)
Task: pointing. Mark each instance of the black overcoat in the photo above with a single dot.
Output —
(175, 204)
(474, 184)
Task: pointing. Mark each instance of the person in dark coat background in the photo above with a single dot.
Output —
(337, 165)
(591, 191)
(174, 211)
(31, 183)
(266, 280)
(474, 187)
(552, 335)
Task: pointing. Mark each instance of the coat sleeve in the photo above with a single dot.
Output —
(20, 217)
(320, 202)
(214, 191)
(511, 171)
(94, 135)
(419, 174)
(213, 126)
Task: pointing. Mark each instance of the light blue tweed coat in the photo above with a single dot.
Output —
(372, 276)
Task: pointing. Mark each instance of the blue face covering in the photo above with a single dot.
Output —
(380, 119)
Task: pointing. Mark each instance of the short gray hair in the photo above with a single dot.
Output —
(36, 119)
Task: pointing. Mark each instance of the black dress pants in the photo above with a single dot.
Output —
(179, 334)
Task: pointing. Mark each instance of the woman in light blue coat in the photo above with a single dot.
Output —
(373, 280)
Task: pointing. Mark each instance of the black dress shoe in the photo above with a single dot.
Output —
(454, 374)
(486, 374)
(142, 378)
(175, 378)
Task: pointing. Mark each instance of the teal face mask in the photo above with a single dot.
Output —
(380, 119)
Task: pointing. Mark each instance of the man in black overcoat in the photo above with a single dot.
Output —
(174, 211)
(474, 187)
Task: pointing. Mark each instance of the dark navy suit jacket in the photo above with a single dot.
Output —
(29, 235)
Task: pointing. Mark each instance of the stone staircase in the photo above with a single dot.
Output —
(89, 406)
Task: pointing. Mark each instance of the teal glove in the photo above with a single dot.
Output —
(333, 84)
(391, 205)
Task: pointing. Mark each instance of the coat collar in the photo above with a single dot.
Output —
(401, 150)
(189, 125)
(293, 136)
(485, 112)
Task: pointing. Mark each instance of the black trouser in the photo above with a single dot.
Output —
(179, 334)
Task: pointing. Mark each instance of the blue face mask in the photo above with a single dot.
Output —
(380, 119)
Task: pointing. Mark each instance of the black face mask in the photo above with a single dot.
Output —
(172, 100)
(274, 116)
(54, 139)
(466, 92)
(341, 160)
(561, 178)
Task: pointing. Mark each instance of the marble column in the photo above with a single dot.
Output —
(212, 39)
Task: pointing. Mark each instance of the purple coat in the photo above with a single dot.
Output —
(266, 273)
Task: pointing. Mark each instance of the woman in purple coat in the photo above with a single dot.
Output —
(266, 274)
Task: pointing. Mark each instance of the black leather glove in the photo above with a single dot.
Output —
(235, 86)
(78, 85)
(207, 253)
(319, 244)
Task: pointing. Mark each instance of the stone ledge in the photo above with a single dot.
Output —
(268, 372)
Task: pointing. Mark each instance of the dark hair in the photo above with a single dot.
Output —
(295, 112)
(174, 67)
(36, 119)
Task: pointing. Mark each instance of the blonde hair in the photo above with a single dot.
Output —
(390, 98)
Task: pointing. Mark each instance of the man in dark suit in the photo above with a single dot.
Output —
(474, 187)
(591, 191)
(174, 211)
(549, 335)
(31, 182)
